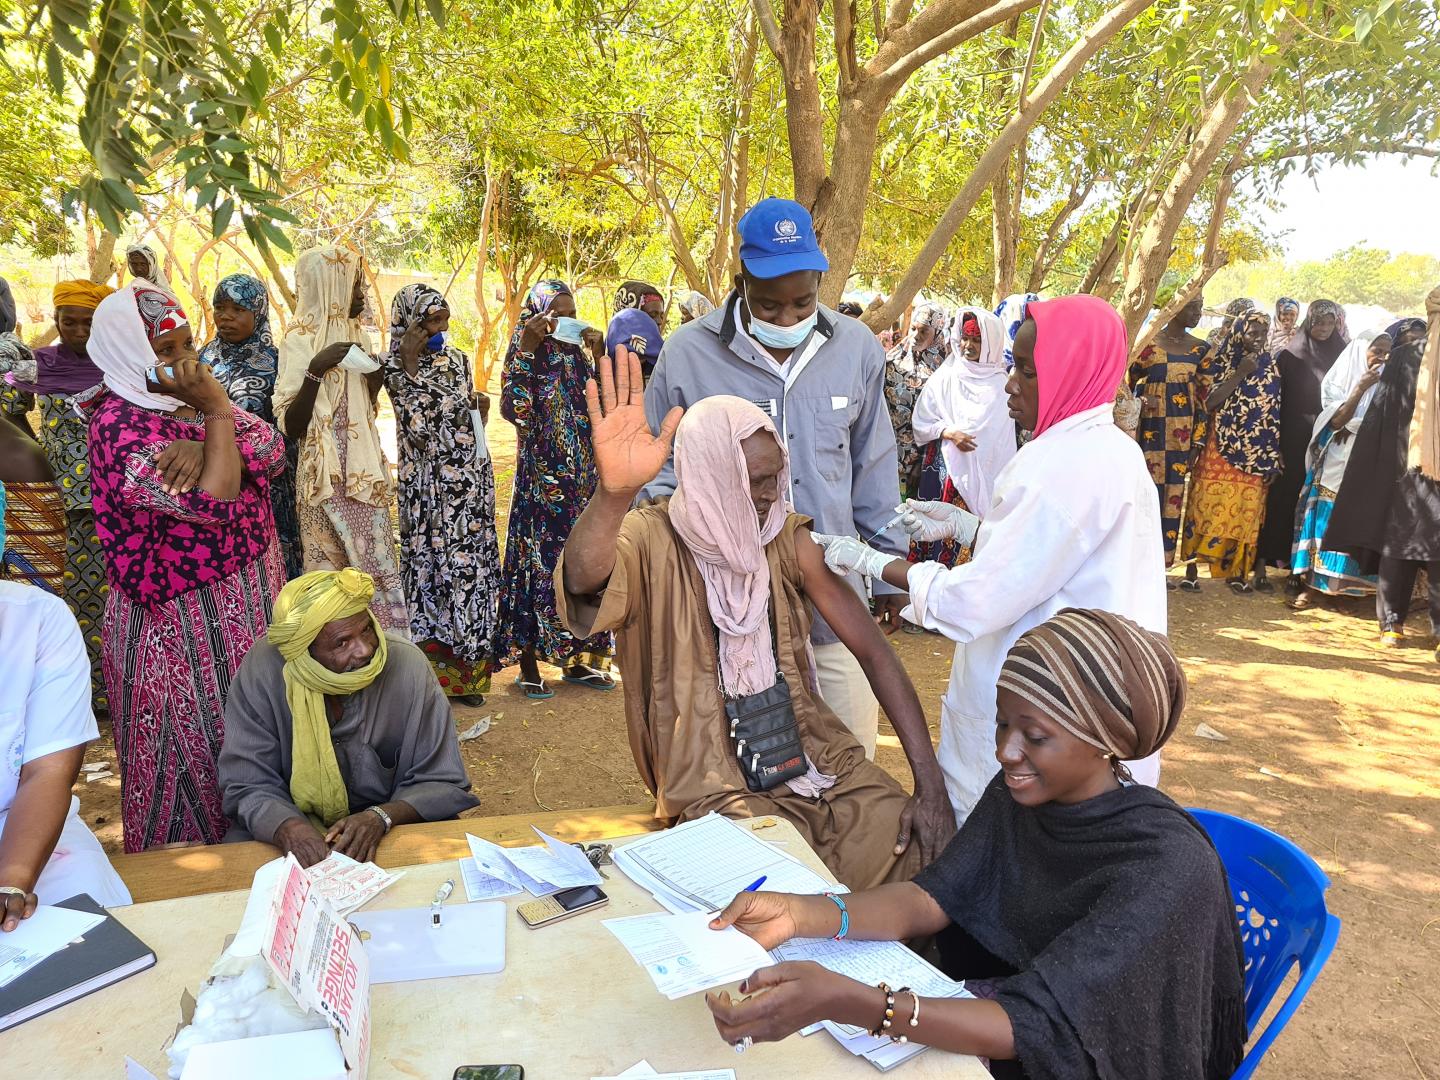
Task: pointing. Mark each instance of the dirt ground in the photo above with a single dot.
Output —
(1328, 741)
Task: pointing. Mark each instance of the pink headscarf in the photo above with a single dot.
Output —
(712, 511)
(1080, 353)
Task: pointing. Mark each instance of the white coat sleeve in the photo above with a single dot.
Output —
(1027, 550)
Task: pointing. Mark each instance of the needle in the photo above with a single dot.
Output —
(885, 528)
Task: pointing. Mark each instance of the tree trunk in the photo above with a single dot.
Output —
(481, 363)
(804, 116)
(1003, 236)
(1103, 265)
(840, 211)
(278, 276)
(1157, 239)
(102, 259)
(1059, 76)
(735, 168)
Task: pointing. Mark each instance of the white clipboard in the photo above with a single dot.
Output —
(404, 945)
(482, 446)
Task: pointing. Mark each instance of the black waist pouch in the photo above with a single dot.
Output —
(766, 737)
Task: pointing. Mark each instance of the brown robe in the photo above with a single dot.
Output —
(666, 652)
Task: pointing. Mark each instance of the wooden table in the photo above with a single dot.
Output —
(571, 1003)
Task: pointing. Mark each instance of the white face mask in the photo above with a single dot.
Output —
(780, 337)
(569, 330)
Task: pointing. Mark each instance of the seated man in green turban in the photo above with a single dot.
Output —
(334, 731)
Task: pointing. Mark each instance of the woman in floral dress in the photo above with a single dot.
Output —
(1166, 388)
(543, 395)
(193, 567)
(243, 357)
(908, 368)
(450, 555)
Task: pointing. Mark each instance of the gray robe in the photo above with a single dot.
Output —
(395, 740)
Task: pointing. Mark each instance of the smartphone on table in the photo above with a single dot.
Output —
(489, 1072)
(561, 905)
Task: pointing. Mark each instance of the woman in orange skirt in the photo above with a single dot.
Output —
(1239, 390)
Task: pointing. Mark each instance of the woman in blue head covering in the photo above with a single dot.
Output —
(243, 358)
(542, 392)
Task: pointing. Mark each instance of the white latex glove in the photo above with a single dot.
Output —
(931, 521)
(845, 553)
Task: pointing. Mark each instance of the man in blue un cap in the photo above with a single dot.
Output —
(819, 376)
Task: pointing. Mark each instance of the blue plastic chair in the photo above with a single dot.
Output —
(1280, 903)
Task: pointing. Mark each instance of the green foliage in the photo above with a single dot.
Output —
(1357, 275)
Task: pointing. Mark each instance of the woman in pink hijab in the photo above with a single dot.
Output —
(1074, 522)
(710, 595)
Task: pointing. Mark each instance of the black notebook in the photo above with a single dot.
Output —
(105, 955)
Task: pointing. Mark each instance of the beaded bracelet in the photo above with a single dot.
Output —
(914, 1013)
(844, 916)
(883, 1028)
(313, 377)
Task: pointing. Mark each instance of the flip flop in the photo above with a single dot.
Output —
(535, 691)
(1171, 586)
(1264, 585)
(1189, 586)
(1237, 586)
(596, 680)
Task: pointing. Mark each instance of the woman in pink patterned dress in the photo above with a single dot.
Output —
(180, 481)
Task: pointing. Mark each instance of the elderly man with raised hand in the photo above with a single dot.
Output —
(711, 594)
(335, 731)
(820, 379)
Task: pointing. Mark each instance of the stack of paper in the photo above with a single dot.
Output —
(702, 864)
(493, 871)
(348, 884)
(873, 962)
(40, 937)
(683, 955)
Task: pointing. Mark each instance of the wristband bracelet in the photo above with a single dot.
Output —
(221, 416)
(844, 916)
(383, 816)
(313, 377)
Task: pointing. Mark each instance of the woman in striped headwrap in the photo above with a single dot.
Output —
(1094, 910)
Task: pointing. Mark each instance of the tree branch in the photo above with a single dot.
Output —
(935, 31)
(765, 14)
(1064, 70)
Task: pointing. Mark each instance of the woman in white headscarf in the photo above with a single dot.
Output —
(1345, 396)
(144, 264)
(963, 407)
(325, 400)
(193, 563)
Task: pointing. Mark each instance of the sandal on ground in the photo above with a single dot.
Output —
(473, 701)
(1392, 639)
(1239, 585)
(908, 627)
(1264, 585)
(1171, 585)
(535, 691)
(595, 680)
(1304, 602)
(1187, 585)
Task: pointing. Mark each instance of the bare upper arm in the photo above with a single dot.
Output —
(834, 599)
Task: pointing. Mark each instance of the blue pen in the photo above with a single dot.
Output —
(756, 884)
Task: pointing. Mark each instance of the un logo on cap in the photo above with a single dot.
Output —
(785, 227)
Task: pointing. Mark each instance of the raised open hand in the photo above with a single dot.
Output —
(627, 456)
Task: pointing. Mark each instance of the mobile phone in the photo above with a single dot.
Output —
(153, 383)
(561, 905)
(489, 1072)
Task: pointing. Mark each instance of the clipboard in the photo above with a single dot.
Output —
(403, 944)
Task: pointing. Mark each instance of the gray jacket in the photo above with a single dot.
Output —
(844, 472)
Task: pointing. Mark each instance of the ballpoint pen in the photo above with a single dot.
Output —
(748, 888)
(441, 895)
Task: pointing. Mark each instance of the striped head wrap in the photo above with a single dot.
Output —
(1110, 683)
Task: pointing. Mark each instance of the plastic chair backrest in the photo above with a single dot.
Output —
(1279, 896)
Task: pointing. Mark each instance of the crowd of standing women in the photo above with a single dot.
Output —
(1280, 443)
(172, 488)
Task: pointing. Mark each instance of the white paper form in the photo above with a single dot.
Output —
(348, 884)
(488, 876)
(493, 861)
(703, 1074)
(682, 955)
(557, 864)
(40, 937)
(707, 861)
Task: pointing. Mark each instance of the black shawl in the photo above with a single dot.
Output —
(1383, 508)
(1117, 916)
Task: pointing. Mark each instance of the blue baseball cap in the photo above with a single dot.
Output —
(777, 237)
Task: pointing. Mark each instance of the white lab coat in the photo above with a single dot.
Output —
(1074, 523)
